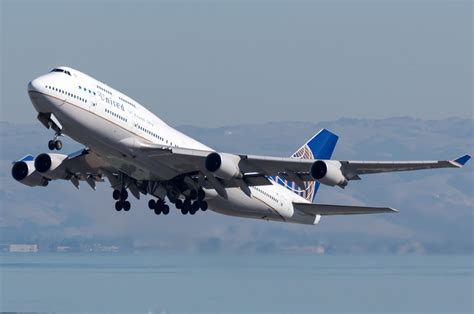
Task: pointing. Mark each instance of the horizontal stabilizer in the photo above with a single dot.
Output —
(324, 210)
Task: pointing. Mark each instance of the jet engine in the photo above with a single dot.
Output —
(48, 165)
(328, 172)
(224, 166)
(24, 172)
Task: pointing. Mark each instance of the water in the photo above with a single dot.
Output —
(248, 283)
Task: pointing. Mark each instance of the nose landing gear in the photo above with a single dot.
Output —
(55, 143)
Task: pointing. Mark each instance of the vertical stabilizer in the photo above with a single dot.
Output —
(320, 146)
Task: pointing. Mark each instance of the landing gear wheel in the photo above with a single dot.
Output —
(195, 207)
(123, 195)
(58, 144)
(157, 211)
(166, 209)
(118, 206)
(51, 145)
(187, 204)
(126, 206)
(203, 206)
(201, 194)
(184, 211)
(179, 204)
(116, 195)
(192, 211)
(151, 204)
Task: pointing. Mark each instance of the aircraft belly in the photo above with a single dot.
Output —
(240, 205)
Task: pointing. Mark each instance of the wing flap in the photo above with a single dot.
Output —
(327, 210)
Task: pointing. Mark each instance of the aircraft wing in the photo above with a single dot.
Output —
(75, 167)
(352, 168)
(326, 210)
(298, 170)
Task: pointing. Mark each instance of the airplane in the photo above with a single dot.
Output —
(139, 153)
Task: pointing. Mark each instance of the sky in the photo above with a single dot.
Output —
(232, 62)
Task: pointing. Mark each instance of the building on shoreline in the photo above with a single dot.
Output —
(23, 248)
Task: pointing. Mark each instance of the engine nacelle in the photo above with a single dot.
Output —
(24, 172)
(224, 166)
(328, 172)
(48, 165)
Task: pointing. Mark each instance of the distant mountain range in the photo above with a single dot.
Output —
(436, 207)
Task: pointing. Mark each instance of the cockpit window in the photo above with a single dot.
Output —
(62, 71)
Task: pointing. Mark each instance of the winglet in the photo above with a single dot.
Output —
(462, 160)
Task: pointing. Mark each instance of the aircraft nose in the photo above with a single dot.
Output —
(35, 85)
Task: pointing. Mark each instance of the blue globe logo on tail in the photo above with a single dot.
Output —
(320, 146)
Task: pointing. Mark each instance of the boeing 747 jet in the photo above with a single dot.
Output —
(139, 154)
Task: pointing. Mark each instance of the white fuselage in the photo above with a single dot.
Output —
(109, 123)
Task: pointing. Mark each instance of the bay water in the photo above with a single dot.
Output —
(189, 283)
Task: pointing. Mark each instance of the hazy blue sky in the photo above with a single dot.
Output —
(218, 63)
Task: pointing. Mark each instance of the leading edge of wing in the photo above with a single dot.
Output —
(326, 209)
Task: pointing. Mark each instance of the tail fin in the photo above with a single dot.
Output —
(320, 146)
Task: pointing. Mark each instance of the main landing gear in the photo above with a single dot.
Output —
(192, 203)
(191, 207)
(121, 200)
(55, 143)
(159, 206)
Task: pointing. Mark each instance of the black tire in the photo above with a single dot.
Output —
(203, 206)
(179, 204)
(157, 211)
(151, 204)
(166, 209)
(193, 194)
(116, 195)
(187, 204)
(201, 194)
(123, 195)
(195, 206)
(118, 206)
(126, 206)
(184, 211)
(51, 145)
(192, 211)
(58, 145)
